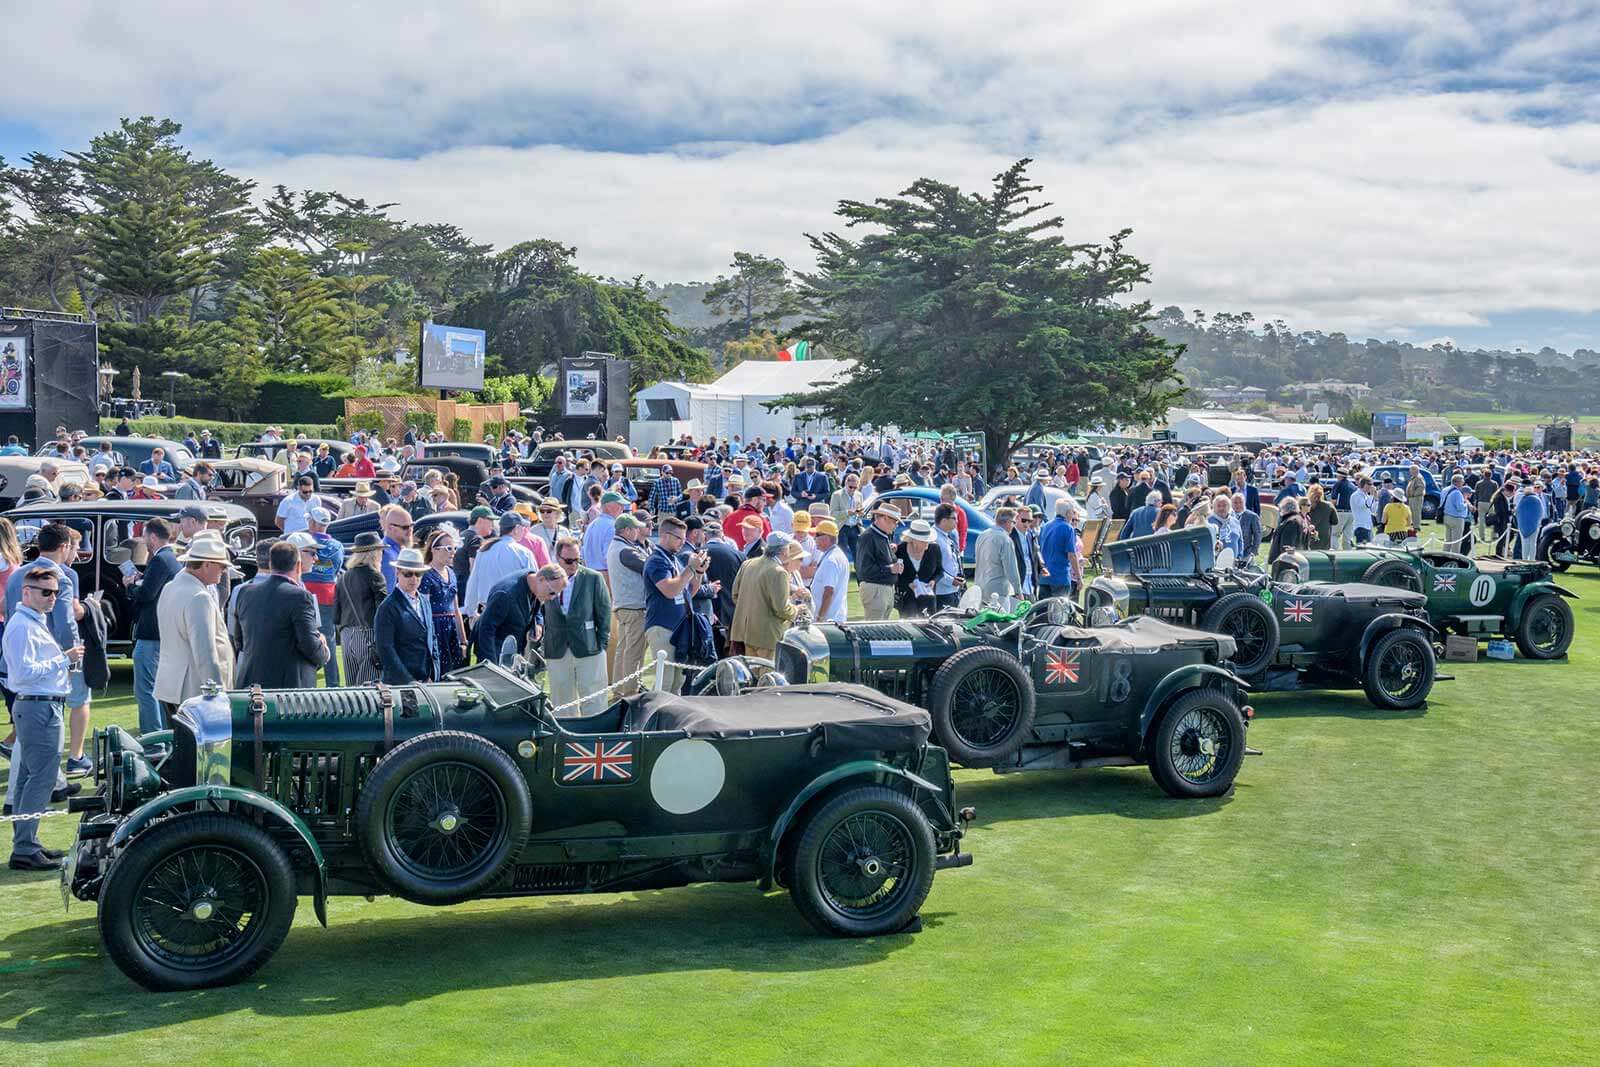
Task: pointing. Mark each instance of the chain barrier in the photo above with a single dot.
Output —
(659, 666)
(36, 816)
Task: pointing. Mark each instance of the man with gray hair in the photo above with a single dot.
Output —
(1249, 531)
(1457, 515)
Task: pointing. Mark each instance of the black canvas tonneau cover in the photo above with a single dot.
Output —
(1144, 633)
(846, 716)
(1358, 591)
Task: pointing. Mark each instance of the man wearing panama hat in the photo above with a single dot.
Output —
(194, 641)
(876, 568)
(408, 647)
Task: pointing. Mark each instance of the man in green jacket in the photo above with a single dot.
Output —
(577, 628)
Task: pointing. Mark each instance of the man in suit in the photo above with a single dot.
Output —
(144, 593)
(276, 628)
(157, 466)
(810, 487)
(577, 629)
(408, 647)
(194, 642)
(996, 571)
(513, 608)
(197, 486)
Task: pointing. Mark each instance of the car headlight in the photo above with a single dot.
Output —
(209, 717)
(803, 655)
(1106, 599)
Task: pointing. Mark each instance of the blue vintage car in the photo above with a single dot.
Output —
(919, 502)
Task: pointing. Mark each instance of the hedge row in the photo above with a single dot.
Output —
(229, 433)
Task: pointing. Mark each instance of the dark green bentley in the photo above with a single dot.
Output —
(198, 841)
(1043, 691)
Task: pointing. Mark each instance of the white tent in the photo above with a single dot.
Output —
(734, 404)
(1200, 428)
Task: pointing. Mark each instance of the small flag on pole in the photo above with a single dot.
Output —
(800, 350)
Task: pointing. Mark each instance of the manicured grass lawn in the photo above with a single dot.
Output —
(1585, 430)
(1382, 888)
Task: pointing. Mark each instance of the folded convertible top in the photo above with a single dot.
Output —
(846, 716)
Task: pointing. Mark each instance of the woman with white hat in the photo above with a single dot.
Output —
(922, 561)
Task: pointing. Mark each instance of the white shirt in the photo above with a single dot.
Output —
(35, 664)
(1098, 506)
(833, 572)
(1362, 506)
(292, 512)
(489, 568)
(782, 517)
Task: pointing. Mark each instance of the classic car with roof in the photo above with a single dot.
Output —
(1474, 596)
(470, 474)
(1038, 690)
(277, 450)
(538, 465)
(133, 451)
(253, 483)
(920, 502)
(198, 841)
(346, 530)
(485, 454)
(112, 536)
(16, 470)
(1311, 635)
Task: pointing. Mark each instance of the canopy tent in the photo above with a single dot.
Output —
(1216, 429)
(735, 404)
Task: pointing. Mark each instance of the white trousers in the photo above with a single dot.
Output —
(573, 676)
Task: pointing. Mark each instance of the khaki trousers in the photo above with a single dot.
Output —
(876, 600)
(627, 631)
(658, 639)
(571, 677)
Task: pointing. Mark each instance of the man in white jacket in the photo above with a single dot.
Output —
(195, 648)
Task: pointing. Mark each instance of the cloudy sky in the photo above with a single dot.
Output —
(1408, 168)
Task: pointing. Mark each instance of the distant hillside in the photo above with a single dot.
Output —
(685, 305)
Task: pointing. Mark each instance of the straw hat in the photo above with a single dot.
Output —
(826, 526)
(205, 549)
(363, 489)
(802, 521)
(410, 559)
(919, 530)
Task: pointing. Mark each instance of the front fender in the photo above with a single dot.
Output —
(217, 795)
(855, 768)
(1193, 676)
(1519, 602)
(1393, 620)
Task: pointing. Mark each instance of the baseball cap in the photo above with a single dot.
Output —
(302, 540)
(192, 511)
(480, 512)
(611, 498)
(510, 521)
(320, 516)
(628, 522)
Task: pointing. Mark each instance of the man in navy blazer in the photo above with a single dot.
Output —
(276, 628)
(810, 486)
(408, 648)
(513, 608)
(144, 592)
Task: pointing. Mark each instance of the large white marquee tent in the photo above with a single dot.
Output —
(1200, 428)
(734, 404)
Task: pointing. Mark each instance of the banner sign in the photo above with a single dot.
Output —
(13, 373)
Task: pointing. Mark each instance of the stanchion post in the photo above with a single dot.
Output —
(661, 670)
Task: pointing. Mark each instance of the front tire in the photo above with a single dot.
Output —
(1545, 630)
(1395, 573)
(1253, 626)
(982, 702)
(200, 900)
(1398, 673)
(863, 864)
(1198, 745)
(1555, 550)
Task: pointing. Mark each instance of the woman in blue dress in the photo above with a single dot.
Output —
(439, 590)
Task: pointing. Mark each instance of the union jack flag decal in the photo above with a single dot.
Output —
(1297, 611)
(1444, 583)
(597, 761)
(1061, 667)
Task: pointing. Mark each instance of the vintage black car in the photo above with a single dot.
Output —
(1041, 691)
(345, 531)
(470, 477)
(198, 841)
(1575, 539)
(133, 451)
(1309, 635)
(274, 450)
(112, 536)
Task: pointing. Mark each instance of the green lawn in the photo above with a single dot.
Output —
(1585, 431)
(1382, 888)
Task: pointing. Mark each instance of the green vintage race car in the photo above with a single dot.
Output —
(1043, 691)
(198, 841)
(1482, 596)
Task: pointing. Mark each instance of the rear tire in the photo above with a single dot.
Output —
(1555, 550)
(864, 863)
(1253, 626)
(1545, 631)
(1395, 573)
(1399, 669)
(1198, 745)
(199, 900)
(982, 702)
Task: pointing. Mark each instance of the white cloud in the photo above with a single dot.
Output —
(1300, 161)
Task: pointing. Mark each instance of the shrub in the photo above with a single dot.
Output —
(497, 430)
(367, 421)
(282, 397)
(229, 433)
(425, 421)
(461, 430)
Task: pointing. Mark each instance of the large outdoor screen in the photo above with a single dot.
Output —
(1388, 427)
(452, 357)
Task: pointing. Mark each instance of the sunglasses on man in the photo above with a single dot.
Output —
(44, 591)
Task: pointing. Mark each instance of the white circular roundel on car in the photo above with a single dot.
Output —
(687, 776)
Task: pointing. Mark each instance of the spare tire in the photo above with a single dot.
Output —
(982, 704)
(1395, 573)
(1252, 624)
(442, 816)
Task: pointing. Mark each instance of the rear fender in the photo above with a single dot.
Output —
(1394, 620)
(216, 796)
(1519, 603)
(1194, 676)
(853, 769)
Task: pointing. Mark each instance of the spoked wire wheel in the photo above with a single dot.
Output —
(1403, 670)
(985, 706)
(863, 863)
(200, 907)
(1199, 745)
(446, 819)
